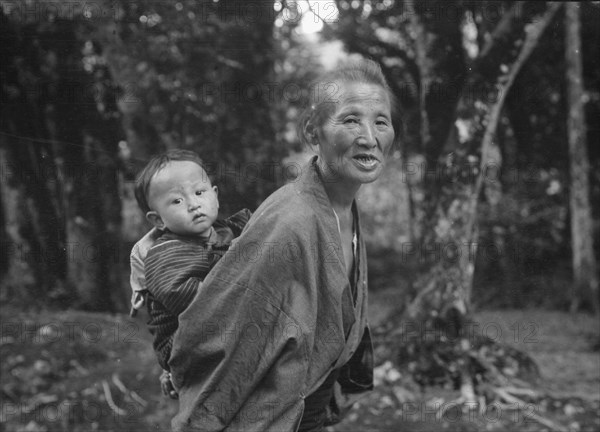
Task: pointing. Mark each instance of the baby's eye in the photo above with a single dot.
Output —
(177, 201)
(199, 192)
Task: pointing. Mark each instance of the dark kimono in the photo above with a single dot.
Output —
(273, 319)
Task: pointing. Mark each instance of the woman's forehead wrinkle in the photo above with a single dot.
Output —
(365, 98)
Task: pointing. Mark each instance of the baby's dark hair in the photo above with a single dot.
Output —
(142, 182)
(325, 91)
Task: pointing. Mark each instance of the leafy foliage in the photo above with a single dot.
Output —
(201, 74)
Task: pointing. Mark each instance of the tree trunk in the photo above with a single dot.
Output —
(443, 292)
(585, 279)
(441, 73)
(18, 277)
(60, 133)
(460, 178)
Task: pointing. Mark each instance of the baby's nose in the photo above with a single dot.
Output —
(194, 204)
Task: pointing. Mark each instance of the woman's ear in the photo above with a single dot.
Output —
(310, 133)
(155, 220)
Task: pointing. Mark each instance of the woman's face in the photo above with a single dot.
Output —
(355, 138)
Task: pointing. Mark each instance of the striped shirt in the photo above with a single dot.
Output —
(174, 268)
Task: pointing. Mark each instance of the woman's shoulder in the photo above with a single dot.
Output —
(299, 208)
(288, 205)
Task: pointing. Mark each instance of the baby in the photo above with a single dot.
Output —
(169, 264)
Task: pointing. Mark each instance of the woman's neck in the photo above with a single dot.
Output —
(341, 194)
(341, 201)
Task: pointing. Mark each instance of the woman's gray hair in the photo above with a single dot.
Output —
(324, 93)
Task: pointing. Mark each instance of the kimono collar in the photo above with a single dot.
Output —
(310, 183)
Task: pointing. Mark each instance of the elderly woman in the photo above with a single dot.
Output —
(279, 326)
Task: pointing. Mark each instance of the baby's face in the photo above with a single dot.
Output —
(183, 199)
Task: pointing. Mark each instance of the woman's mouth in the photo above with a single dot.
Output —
(366, 161)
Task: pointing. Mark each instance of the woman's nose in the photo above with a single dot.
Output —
(367, 137)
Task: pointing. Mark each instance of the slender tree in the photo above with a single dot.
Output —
(585, 277)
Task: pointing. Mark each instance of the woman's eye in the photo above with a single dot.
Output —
(351, 120)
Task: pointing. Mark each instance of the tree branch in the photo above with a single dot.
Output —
(504, 83)
(424, 73)
(504, 27)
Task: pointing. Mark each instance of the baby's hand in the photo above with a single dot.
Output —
(167, 386)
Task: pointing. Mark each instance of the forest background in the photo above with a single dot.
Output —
(490, 203)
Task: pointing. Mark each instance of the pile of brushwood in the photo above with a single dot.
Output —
(470, 373)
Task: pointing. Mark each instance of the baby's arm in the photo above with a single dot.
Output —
(137, 279)
(174, 271)
(237, 222)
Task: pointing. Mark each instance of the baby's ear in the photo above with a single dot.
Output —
(154, 218)
(216, 189)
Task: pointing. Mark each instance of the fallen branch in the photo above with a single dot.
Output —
(109, 400)
(136, 397)
(133, 395)
(39, 400)
(521, 404)
(83, 371)
(522, 391)
(117, 381)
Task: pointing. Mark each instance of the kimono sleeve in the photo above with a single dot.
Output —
(237, 222)
(239, 358)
